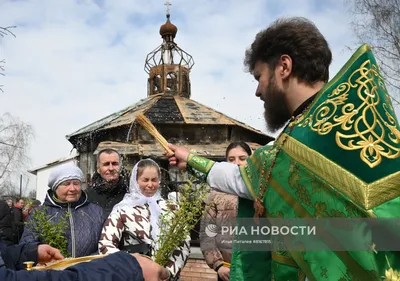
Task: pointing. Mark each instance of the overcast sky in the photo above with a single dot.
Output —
(74, 62)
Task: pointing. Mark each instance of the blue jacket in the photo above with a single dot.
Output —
(84, 224)
(116, 267)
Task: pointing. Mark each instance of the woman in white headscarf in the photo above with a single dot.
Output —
(133, 224)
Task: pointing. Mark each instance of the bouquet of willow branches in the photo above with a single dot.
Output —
(50, 232)
(177, 223)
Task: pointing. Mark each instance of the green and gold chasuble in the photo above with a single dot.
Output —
(340, 160)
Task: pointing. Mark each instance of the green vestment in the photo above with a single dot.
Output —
(341, 160)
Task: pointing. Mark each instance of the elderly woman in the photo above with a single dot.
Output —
(66, 201)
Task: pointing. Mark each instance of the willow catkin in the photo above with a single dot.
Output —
(149, 127)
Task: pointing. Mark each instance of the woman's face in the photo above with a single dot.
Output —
(69, 191)
(149, 181)
(237, 156)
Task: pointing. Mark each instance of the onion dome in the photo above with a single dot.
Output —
(168, 29)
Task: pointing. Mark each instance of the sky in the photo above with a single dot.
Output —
(74, 62)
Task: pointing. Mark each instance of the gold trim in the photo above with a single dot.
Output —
(200, 163)
(255, 161)
(301, 275)
(364, 48)
(290, 200)
(362, 194)
(299, 210)
(377, 138)
(346, 258)
(304, 266)
(247, 182)
(284, 260)
(360, 126)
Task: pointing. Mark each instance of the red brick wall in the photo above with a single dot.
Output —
(197, 270)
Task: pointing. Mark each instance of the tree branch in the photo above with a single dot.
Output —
(6, 31)
(377, 23)
(10, 145)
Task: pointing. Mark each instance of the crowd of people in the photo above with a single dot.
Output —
(13, 216)
(308, 172)
(113, 215)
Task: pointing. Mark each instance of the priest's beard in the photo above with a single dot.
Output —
(276, 112)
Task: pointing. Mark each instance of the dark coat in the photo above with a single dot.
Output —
(7, 234)
(84, 224)
(18, 223)
(116, 267)
(105, 195)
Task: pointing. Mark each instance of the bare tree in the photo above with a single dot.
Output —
(14, 142)
(3, 32)
(9, 190)
(32, 193)
(377, 23)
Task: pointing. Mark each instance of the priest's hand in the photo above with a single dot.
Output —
(47, 253)
(151, 270)
(179, 157)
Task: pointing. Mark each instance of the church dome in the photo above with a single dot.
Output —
(168, 29)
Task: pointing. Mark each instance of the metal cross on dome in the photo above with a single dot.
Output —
(167, 5)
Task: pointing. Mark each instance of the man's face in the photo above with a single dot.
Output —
(276, 112)
(108, 166)
(21, 203)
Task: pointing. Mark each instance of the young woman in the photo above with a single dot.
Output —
(133, 224)
(222, 206)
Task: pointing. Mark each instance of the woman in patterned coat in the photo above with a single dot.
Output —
(133, 224)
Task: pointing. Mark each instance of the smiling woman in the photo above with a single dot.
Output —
(133, 224)
(69, 191)
(66, 204)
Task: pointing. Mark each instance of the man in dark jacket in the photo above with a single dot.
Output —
(110, 183)
(6, 224)
(116, 267)
(18, 218)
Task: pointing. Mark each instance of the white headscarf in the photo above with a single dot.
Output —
(135, 198)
